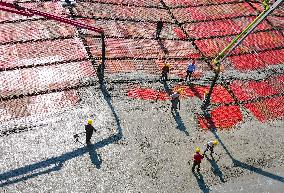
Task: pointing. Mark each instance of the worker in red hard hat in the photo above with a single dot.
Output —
(89, 130)
(197, 160)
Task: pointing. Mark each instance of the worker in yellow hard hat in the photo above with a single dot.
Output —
(197, 160)
(89, 130)
(210, 146)
(165, 71)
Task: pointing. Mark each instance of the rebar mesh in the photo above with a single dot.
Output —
(39, 56)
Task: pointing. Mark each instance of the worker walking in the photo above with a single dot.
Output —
(159, 28)
(210, 146)
(197, 160)
(89, 130)
(175, 100)
(165, 71)
(190, 69)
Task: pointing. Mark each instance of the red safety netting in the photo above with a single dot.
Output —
(33, 80)
(123, 12)
(148, 94)
(267, 109)
(49, 7)
(254, 89)
(42, 55)
(34, 30)
(223, 117)
(33, 53)
(178, 3)
(213, 12)
(134, 2)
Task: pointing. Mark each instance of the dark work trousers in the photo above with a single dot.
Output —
(209, 148)
(164, 76)
(188, 75)
(175, 104)
(89, 132)
(159, 29)
(89, 136)
(196, 163)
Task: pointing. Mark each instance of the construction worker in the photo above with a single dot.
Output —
(65, 3)
(210, 146)
(175, 99)
(165, 71)
(205, 95)
(159, 28)
(197, 160)
(89, 130)
(190, 69)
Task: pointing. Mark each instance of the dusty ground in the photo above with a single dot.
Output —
(140, 147)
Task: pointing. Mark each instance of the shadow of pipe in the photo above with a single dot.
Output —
(238, 163)
(56, 163)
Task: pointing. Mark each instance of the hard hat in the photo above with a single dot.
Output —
(197, 150)
(167, 64)
(90, 121)
(179, 90)
(215, 142)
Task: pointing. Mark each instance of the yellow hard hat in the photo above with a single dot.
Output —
(167, 64)
(179, 90)
(215, 142)
(90, 121)
(197, 150)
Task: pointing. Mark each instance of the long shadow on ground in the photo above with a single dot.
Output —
(175, 113)
(203, 187)
(215, 168)
(238, 163)
(56, 163)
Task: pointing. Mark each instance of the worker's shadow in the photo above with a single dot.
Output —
(162, 46)
(94, 156)
(203, 187)
(179, 121)
(215, 168)
(236, 162)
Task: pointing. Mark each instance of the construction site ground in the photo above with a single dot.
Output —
(49, 88)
